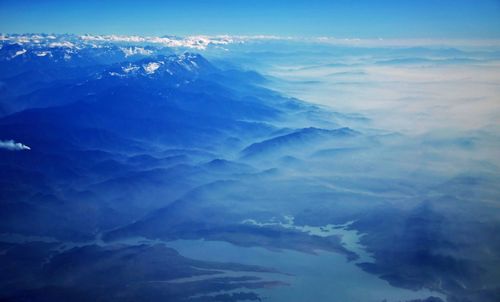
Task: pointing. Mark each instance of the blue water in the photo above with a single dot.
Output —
(323, 277)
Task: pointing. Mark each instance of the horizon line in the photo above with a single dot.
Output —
(203, 40)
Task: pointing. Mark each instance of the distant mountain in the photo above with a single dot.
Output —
(123, 129)
(296, 140)
(428, 61)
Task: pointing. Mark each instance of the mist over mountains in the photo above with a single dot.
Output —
(137, 169)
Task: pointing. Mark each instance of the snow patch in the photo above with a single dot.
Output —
(19, 53)
(150, 68)
(130, 68)
(43, 53)
(115, 74)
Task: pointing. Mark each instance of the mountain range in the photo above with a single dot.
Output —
(112, 148)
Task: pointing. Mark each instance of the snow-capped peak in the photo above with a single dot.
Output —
(130, 51)
(66, 44)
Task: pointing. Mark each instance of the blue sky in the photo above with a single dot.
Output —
(342, 18)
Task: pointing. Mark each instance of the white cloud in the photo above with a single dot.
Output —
(379, 42)
(408, 98)
(13, 146)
